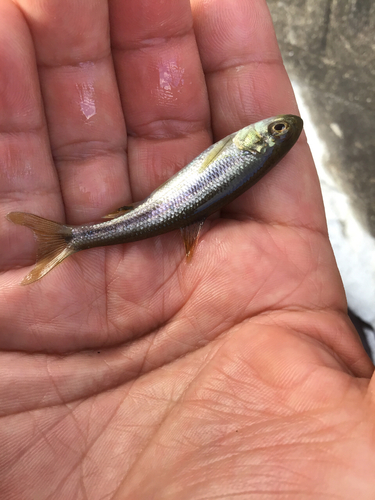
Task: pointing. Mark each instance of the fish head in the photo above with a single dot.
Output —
(271, 137)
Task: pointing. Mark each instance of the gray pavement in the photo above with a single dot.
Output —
(328, 47)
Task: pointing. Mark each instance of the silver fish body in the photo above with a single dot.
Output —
(217, 176)
(213, 179)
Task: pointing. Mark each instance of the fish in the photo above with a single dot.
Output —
(213, 179)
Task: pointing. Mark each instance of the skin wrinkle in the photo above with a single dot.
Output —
(51, 378)
(299, 332)
(159, 431)
(77, 399)
(234, 65)
(170, 323)
(286, 408)
(276, 224)
(59, 314)
(144, 309)
(15, 132)
(278, 446)
(34, 440)
(104, 427)
(64, 480)
(329, 349)
(91, 153)
(164, 132)
(107, 283)
(286, 296)
(180, 341)
(171, 320)
(74, 63)
(291, 445)
(266, 279)
(150, 343)
(82, 489)
(19, 191)
(151, 440)
(27, 407)
(254, 316)
(147, 129)
(151, 43)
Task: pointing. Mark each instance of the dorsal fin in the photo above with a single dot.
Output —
(122, 210)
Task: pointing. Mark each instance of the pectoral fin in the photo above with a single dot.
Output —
(190, 235)
(214, 152)
(122, 210)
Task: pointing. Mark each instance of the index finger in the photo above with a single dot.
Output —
(247, 81)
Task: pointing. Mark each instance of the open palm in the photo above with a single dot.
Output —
(127, 372)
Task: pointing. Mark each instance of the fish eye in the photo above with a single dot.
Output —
(278, 128)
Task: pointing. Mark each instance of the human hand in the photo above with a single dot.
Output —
(126, 372)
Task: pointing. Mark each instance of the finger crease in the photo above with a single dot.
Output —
(74, 64)
(169, 128)
(87, 150)
(239, 63)
(152, 42)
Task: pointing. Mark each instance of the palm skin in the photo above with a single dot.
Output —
(126, 372)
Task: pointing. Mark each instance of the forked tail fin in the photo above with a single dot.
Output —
(53, 243)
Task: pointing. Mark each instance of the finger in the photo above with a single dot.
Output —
(85, 120)
(28, 179)
(246, 82)
(162, 88)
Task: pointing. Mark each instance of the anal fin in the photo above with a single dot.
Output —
(190, 236)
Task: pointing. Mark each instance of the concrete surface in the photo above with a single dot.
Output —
(328, 47)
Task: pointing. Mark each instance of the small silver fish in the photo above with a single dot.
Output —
(217, 176)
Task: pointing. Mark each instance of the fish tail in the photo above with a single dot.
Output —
(52, 239)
